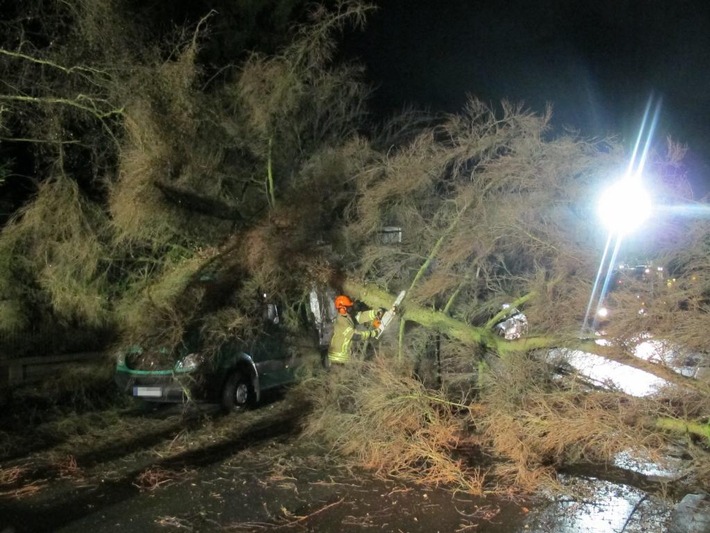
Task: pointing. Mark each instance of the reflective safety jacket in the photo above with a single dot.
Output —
(343, 333)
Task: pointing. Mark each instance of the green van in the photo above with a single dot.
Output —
(234, 375)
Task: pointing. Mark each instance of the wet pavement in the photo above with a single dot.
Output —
(251, 472)
(608, 507)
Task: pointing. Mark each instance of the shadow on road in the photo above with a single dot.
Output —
(57, 508)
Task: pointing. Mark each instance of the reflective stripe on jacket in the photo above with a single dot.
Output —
(343, 333)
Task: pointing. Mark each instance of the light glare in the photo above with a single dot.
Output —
(624, 206)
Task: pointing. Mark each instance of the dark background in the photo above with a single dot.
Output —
(598, 62)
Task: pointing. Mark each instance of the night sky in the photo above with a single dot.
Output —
(597, 62)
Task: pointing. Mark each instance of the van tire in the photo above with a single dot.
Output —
(238, 392)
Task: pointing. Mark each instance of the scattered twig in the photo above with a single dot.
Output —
(174, 521)
(306, 517)
(628, 518)
(25, 491)
(331, 483)
(250, 526)
(154, 478)
(68, 468)
(466, 527)
(8, 476)
(398, 490)
(485, 513)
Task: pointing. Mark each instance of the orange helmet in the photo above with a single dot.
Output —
(342, 303)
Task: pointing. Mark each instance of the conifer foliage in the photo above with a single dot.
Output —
(151, 166)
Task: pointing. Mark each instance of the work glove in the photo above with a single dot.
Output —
(380, 313)
(375, 333)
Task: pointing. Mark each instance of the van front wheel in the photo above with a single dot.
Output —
(238, 392)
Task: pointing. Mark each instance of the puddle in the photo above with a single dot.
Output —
(609, 374)
(600, 507)
(683, 362)
(670, 469)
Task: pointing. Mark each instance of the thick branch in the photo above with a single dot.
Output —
(684, 426)
(436, 320)
(474, 335)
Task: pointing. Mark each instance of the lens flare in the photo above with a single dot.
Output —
(624, 206)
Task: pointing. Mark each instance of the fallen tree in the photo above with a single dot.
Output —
(270, 179)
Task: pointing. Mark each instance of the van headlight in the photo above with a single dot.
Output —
(189, 363)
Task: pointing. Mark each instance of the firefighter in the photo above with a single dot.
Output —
(345, 329)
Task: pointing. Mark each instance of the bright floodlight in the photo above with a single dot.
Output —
(624, 206)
